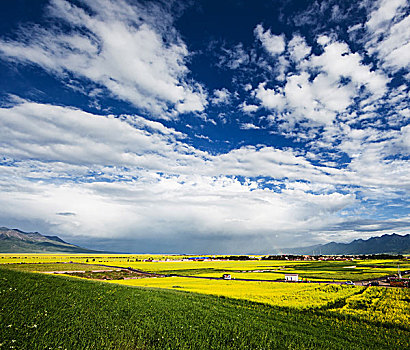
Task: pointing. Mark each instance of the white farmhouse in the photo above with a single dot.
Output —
(291, 277)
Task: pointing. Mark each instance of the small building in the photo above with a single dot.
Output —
(226, 276)
(291, 277)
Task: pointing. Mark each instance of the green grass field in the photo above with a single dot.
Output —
(55, 312)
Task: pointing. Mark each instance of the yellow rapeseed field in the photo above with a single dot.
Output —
(251, 269)
(297, 295)
(391, 305)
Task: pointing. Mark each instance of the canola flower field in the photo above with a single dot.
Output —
(380, 304)
(300, 296)
(385, 305)
(355, 270)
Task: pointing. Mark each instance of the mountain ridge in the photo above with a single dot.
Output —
(385, 244)
(17, 241)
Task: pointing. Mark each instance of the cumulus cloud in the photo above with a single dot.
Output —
(221, 96)
(249, 126)
(325, 85)
(339, 62)
(274, 44)
(318, 101)
(270, 98)
(298, 49)
(251, 108)
(118, 46)
(387, 33)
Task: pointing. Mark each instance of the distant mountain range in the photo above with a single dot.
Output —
(16, 241)
(386, 244)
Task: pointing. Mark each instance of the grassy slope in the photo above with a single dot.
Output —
(39, 311)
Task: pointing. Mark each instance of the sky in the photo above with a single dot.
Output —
(236, 127)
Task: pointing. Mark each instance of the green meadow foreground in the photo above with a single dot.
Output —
(41, 311)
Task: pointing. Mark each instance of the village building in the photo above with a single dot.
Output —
(291, 277)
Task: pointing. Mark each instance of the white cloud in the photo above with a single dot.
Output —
(324, 86)
(274, 44)
(298, 49)
(234, 58)
(203, 137)
(337, 61)
(387, 33)
(53, 133)
(323, 40)
(47, 133)
(270, 98)
(221, 96)
(248, 108)
(120, 47)
(318, 101)
(385, 11)
(281, 68)
(247, 87)
(249, 126)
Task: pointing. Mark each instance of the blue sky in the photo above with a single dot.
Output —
(205, 126)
